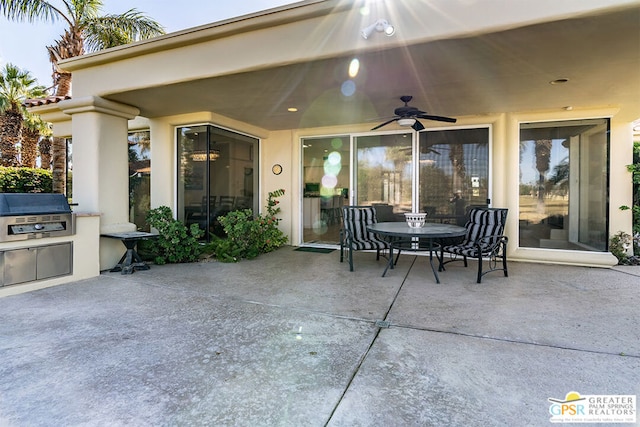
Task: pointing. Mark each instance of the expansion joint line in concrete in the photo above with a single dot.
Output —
(510, 341)
(381, 325)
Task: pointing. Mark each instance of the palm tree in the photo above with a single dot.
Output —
(16, 86)
(543, 158)
(33, 129)
(88, 31)
(44, 147)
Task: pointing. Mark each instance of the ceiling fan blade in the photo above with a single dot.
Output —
(417, 126)
(437, 118)
(385, 123)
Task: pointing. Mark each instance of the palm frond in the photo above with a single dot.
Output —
(35, 122)
(30, 10)
(83, 10)
(16, 86)
(114, 30)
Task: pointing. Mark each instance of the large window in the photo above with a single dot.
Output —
(217, 173)
(564, 185)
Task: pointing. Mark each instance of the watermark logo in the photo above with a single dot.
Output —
(576, 408)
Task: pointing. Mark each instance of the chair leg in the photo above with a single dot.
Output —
(504, 263)
(350, 258)
(465, 261)
(479, 268)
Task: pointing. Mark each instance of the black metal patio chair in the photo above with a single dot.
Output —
(354, 235)
(484, 240)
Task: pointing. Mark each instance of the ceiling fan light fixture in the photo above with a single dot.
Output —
(406, 122)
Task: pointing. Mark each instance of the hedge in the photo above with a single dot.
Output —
(25, 180)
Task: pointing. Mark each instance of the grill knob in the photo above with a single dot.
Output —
(38, 226)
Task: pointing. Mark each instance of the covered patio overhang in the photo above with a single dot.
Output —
(478, 61)
(455, 58)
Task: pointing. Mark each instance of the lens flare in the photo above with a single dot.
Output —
(334, 158)
(354, 67)
(320, 227)
(348, 88)
(332, 169)
(329, 181)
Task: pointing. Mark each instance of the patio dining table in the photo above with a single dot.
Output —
(402, 238)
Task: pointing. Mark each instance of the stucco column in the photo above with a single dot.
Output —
(162, 159)
(100, 165)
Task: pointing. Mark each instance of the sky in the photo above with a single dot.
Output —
(24, 44)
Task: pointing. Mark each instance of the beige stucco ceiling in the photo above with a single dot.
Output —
(504, 71)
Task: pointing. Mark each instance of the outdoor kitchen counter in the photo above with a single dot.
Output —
(130, 261)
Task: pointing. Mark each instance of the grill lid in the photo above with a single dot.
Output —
(14, 204)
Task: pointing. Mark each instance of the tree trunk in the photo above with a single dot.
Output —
(10, 128)
(29, 149)
(44, 146)
(62, 79)
(59, 148)
(64, 83)
(9, 151)
(543, 157)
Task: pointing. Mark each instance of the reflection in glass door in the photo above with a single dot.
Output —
(454, 173)
(139, 178)
(384, 174)
(325, 188)
(217, 173)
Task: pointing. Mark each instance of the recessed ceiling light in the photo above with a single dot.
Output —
(292, 109)
(558, 81)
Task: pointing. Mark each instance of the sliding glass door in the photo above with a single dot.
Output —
(384, 174)
(454, 173)
(325, 163)
(444, 173)
(441, 172)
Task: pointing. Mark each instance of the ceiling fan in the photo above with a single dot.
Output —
(408, 116)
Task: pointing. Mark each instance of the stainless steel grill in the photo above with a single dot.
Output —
(26, 216)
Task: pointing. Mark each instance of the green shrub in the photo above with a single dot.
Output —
(618, 245)
(25, 180)
(249, 236)
(176, 243)
(634, 168)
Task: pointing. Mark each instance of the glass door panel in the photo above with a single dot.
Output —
(325, 188)
(384, 174)
(453, 173)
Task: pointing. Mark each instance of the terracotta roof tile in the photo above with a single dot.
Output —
(36, 102)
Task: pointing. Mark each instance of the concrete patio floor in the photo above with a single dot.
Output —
(294, 339)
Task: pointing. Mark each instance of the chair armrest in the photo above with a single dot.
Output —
(345, 235)
(489, 244)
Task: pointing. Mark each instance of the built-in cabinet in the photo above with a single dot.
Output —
(35, 263)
